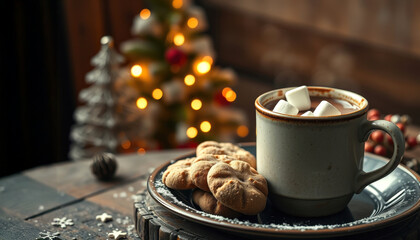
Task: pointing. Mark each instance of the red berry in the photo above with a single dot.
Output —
(389, 140)
(401, 126)
(373, 113)
(377, 136)
(368, 147)
(411, 141)
(388, 117)
(373, 118)
(380, 150)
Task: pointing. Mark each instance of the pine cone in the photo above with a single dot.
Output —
(104, 166)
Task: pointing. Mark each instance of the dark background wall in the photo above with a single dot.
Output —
(37, 92)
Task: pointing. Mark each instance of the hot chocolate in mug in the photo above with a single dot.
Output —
(314, 165)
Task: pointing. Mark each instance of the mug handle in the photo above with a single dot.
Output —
(365, 178)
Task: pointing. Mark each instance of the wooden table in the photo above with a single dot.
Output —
(31, 200)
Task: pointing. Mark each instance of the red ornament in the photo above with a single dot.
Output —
(377, 136)
(368, 147)
(220, 99)
(189, 144)
(389, 140)
(175, 57)
(373, 114)
(380, 150)
(388, 117)
(401, 126)
(411, 141)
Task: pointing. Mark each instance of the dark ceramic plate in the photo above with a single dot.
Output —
(391, 201)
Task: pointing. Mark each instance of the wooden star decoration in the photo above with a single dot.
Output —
(104, 217)
(117, 234)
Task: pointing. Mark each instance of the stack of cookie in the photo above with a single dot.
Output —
(223, 177)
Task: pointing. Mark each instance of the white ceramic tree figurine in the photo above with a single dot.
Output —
(97, 121)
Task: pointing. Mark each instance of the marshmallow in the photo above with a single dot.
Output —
(299, 97)
(326, 109)
(308, 114)
(285, 108)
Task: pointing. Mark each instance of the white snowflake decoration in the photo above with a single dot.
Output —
(62, 222)
(48, 236)
(117, 234)
(104, 217)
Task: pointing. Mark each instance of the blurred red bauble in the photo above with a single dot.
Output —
(401, 126)
(189, 144)
(388, 117)
(368, 147)
(220, 99)
(411, 141)
(380, 150)
(373, 114)
(175, 57)
(377, 136)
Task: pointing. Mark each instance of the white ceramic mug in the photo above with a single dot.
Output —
(314, 165)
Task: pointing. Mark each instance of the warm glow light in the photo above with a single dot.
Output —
(179, 39)
(192, 22)
(242, 131)
(203, 67)
(157, 94)
(225, 90)
(177, 4)
(145, 14)
(141, 102)
(126, 144)
(141, 151)
(136, 70)
(205, 126)
(189, 80)
(230, 96)
(192, 132)
(208, 59)
(196, 104)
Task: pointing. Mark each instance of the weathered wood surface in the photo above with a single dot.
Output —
(282, 52)
(30, 201)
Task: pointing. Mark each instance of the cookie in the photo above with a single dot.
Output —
(238, 186)
(209, 204)
(177, 175)
(201, 166)
(215, 148)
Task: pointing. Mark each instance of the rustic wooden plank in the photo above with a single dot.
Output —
(390, 24)
(24, 197)
(120, 198)
(85, 26)
(415, 26)
(287, 55)
(75, 178)
(85, 226)
(12, 228)
(121, 15)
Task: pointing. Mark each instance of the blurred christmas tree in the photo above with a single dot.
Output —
(170, 64)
